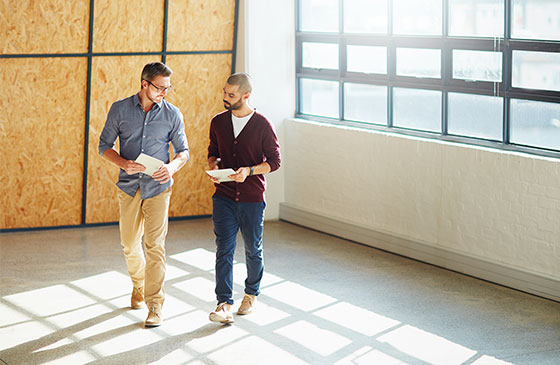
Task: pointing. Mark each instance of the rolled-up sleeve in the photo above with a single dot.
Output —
(178, 136)
(271, 148)
(110, 131)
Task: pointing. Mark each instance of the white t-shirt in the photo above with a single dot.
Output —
(239, 123)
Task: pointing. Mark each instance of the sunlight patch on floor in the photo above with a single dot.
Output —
(319, 340)
(264, 314)
(53, 300)
(105, 286)
(298, 296)
(368, 356)
(251, 351)
(128, 341)
(198, 257)
(199, 287)
(173, 272)
(426, 346)
(223, 337)
(489, 360)
(356, 318)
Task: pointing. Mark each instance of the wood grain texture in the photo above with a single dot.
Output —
(113, 78)
(198, 81)
(46, 26)
(128, 26)
(41, 141)
(201, 25)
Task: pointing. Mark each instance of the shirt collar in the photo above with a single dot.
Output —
(136, 99)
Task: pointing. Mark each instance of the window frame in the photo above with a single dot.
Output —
(506, 45)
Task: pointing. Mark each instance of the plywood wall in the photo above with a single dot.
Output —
(199, 80)
(43, 120)
(200, 25)
(128, 26)
(46, 26)
(42, 140)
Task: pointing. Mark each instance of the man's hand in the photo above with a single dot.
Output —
(131, 167)
(213, 164)
(241, 174)
(163, 175)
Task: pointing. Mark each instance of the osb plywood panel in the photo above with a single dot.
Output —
(200, 25)
(42, 141)
(197, 90)
(46, 26)
(113, 78)
(128, 26)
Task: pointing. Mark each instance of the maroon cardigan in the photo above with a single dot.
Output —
(256, 143)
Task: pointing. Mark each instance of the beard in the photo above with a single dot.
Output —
(235, 106)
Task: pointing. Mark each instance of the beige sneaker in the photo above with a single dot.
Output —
(247, 304)
(222, 314)
(154, 316)
(137, 298)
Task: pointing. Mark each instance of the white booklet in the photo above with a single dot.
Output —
(222, 174)
(152, 164)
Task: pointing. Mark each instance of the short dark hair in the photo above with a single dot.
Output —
(243, 80)
(154, 69)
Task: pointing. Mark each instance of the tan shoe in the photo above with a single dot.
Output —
(247, 304)
(222, 314)
(137, 298)
(154, 316)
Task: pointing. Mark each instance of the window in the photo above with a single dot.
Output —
(481, 72)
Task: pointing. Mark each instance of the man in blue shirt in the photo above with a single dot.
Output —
(145, 123)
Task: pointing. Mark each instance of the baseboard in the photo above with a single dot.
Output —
(494, 272)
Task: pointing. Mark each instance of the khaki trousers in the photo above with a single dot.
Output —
(148, 218)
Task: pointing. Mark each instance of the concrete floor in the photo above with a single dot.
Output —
(65, 296)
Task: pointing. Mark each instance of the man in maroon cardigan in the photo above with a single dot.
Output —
(244, 140)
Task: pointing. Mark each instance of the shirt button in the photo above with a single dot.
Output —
(236, 199)
(234, 142)
(238, 193)
(235, 154)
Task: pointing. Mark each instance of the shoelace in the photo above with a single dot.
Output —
(154, 311)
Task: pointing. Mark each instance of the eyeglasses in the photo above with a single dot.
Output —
(160, 89)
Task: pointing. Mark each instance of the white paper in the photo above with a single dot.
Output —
(152, 164)
(221, 175)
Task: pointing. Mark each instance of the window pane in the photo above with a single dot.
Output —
(417, 17)
(536, 70)
(319, 97)
(320, 55)
(417, 109)
(536, 19)
(419, 62)
(365, 16)
(535, 123)
(475, 116)
(319, 15)
(477, 65)
(365, 103)
(366, 59)
(476, 18)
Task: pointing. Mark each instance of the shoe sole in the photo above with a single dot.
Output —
(152, 324)
(217, 318)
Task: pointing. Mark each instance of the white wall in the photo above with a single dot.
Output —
(489, 213)
(494, 205)
(266, 51)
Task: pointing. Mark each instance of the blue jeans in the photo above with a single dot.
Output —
(229, 217)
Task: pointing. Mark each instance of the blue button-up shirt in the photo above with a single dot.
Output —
(141, 132)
